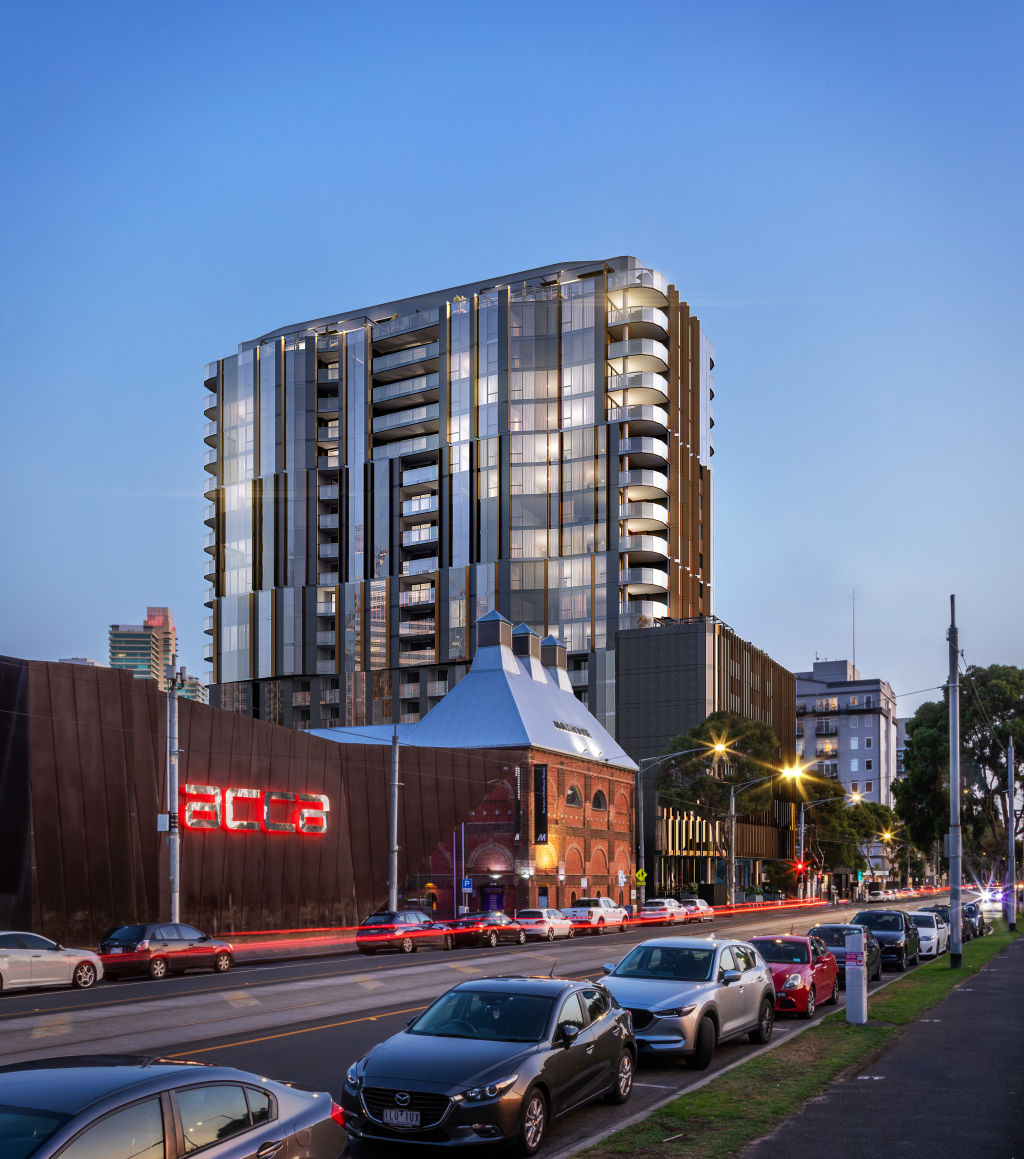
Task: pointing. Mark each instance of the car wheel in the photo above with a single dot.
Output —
(449, 942)
(84, 975)
(158, 969)
(533, 1120)
(623, 1080)
(834, 1000)
(877, 976)
(625, 926)
(705, 1046)
(572, 932)
(492, 939)
(901, 965)
(765, 1023)
(521, 937)
(408, 946)
(551, 933)
(809, 1012)
(599, 928)
(222, 962)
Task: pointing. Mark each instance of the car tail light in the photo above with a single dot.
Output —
(143, 945)
(337, 1114)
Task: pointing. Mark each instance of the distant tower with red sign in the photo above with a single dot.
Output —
(147, 649)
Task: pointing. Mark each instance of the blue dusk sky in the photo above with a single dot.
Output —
(835, 188)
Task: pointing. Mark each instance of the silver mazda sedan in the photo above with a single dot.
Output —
(688, 994)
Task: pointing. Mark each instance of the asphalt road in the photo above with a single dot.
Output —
(308, 1020)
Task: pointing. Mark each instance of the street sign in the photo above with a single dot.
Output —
(641, 877)
(467, 885)
(622, 877)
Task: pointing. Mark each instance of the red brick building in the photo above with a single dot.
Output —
(559, 822)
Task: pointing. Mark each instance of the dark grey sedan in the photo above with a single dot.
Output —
(834, 936)
(120, 1107)
(896, 934)
(493, 1060)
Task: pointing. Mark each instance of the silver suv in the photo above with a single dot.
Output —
(688, 994)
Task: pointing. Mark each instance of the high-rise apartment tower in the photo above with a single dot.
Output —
(147, 649)
(380, 478)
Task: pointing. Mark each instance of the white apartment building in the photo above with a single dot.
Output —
(846, 728)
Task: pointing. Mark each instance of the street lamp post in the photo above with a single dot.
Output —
(649, 763)
(731, 881)
(800, 828)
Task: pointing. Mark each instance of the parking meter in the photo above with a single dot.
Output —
(856, 978)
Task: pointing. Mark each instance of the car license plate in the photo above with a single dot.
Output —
(116, 950)
(396, 1117)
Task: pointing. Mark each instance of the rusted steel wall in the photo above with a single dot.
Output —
(96, 755)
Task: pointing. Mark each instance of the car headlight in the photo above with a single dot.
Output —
(793, 982)
(899, 945)
(354, 1074)
(676, 1011)
(490, 1091)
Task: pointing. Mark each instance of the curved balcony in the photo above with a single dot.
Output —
(644, 517)
(211, 575)
(644, 548)
(210, 515)
(644, 485)
(642, 419)
(643, 321)
(644, 581)
(627, 390)
(644, 287)
(210, 434)
(644, 452)
(638, 354)
(210, 543)
(210, 461)
(210, 405)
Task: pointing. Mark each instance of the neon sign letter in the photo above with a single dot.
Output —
(273, 811)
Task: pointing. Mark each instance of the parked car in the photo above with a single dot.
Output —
(404, 930)
(665, 911)
(833, 934)
(32, 960)
(687, 994)
(933, 931)
(697, 909)
(803, 970)
(946, 913)
(977, 919)
(599, 915)
(876, 895)
(493, 1060)
(123, 1107)
(896, 934)
(158, 948)
(486, 929)
(545, 924)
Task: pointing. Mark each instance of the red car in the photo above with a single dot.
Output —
(804, 972)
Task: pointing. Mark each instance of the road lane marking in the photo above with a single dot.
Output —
(53, 1026)
(292, 1033)
(466, 969)
(240, 998)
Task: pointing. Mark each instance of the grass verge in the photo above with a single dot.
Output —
(752, 1100)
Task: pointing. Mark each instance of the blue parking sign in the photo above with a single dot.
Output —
(467, 885)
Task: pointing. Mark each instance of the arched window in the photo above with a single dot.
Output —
(600, 801)
(573, 798)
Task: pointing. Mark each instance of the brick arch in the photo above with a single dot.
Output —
(490, 858)
(622, 859)
(621, 804)
(573, 861)
(599, 862)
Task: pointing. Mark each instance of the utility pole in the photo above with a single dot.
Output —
(731, 883)
(1011, 839)
(955, 859)
(174, 680)
(393, 826)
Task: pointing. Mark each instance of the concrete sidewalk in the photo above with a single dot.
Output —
(951, 1085)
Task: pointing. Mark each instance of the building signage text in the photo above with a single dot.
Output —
(248, 810)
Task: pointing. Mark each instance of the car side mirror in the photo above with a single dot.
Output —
(570, 1033)
(56, 946)
(205, 938)
(730, 976)
(608, 967)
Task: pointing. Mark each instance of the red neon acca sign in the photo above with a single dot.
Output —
(269, 810)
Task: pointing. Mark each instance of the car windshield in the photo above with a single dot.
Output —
(880, 921)
(380, 920)
(654, 905)
(681, 964)
(780, 951)
(529, 913)
(830, 935)
(126, 934)
(23, 1130)
(926, 921)
(486, 1014)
